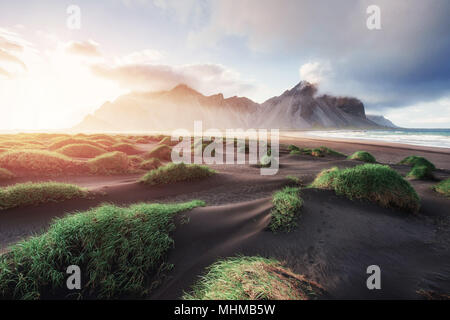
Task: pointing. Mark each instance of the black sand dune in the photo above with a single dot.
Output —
(335, 241)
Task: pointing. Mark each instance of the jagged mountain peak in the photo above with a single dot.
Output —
(184, 89)
(297, 108)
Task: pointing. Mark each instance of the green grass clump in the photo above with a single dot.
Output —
(29, 194)
(135, 161)
(81, 151)
(252, 278)
(363, 156)
(292, 147)
(120, 251)
(109, 163)
(63, 141)
(372, 182)
(39, 162)
(127, 148)
(162, 152)
(150, 164)
(175, 172)
(416, 160)
(5, 174)
(421, 172)
(443, 187)
(421, 168)
(286, 205)
(315, 152)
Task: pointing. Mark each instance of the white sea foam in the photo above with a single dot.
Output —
(420, 137)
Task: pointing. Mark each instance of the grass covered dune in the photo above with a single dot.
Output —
(286, 205)
(120, 251)
(252, 278)
(443, 187)
(39, 162)
(176, 172)
(28, 194)
(373, 182)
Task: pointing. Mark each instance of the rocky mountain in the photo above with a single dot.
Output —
(381, 121)
(298, 108)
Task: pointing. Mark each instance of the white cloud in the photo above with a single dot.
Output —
(435, 114)
(206, 78)
(141, 57)
(315, 72)
(84, 48)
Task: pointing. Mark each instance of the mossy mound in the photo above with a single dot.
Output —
(162, 152)
(62, 142)
(109, 163)
(29, 194)
(363, 156)
(421, 172)
(81, 151)
(321, 151)
(150, 164)
(286, 206)
(443, 187)
(422, 169)
(175, 172)
(416, 160)
(372, 182)
(39, 162)
(252, 278)
(127, 148)
(120, 252)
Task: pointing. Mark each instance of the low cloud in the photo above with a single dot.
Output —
(84, 48)
(206, 78)
(406, 60)
(315, 72)
(8, 57)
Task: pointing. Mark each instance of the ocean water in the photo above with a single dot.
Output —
(419, 137)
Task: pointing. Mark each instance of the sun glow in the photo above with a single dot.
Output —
(54, 90)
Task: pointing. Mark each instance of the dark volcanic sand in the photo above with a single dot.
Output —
(336, 239)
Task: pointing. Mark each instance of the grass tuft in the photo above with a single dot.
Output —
(443, 187)
(127, 148)
(252, 278)
(422, 169)
(315, 152)
(372, 182)
(363, 156)
(120, 252)
(286, 206)
(150, 164)
(29, 194)
(109, 163)
(416, 160)
(162, 152)
(175, 172)
(420, 172)
(81, 151)
(64, 141)
(38, 162)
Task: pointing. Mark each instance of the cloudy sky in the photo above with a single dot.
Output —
(52, 73)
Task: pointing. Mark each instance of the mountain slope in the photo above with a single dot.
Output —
(381, 121)
(298, 108)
